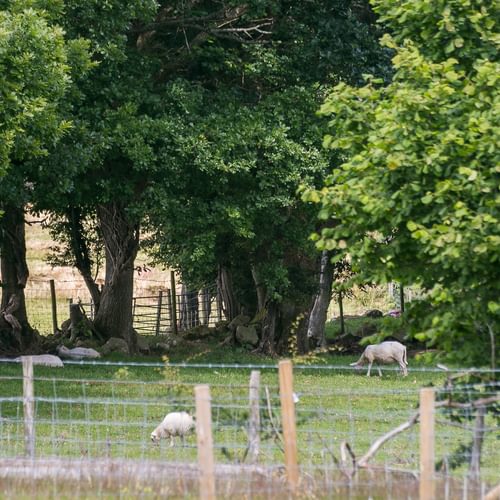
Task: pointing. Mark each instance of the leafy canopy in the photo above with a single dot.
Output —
(417, 198)
(34, 76)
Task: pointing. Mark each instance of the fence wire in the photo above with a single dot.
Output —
(94, 420)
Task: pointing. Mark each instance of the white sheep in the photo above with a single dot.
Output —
(77, 353)
(385, 352)
(177, 423)
(44, 360)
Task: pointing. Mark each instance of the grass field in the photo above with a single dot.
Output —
(109, 411)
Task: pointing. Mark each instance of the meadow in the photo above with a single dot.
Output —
(107, 411)
(103, 413)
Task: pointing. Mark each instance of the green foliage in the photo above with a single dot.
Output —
(34, 76)
(417, 198)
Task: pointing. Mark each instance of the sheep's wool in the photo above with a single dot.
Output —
(174, 424)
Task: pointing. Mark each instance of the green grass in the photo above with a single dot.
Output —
(110, 411)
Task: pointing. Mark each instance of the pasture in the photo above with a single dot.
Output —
(103, 413)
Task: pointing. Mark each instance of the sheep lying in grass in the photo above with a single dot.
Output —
(177, 423)
(44, 360)
(385, 352)
(77, 353)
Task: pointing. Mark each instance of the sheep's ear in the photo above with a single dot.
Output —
(353, 364)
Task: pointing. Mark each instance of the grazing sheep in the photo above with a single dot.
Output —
(385, 352)
(44, 360)
(177, 423)
(77, 353)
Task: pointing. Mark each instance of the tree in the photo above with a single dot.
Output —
(234, 211)
(35, 77)
(155, 120)
(416, 199)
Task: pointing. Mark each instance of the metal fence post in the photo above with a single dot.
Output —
(158, 312)
(173, 316)
(54, 305)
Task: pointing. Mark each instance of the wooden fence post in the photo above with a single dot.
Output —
(288, 423)
(427, 459)
(341, 313)
(205, 443)
(158, 313)
(54, 305)
(254, 423)
(28, 404)
(173, 311)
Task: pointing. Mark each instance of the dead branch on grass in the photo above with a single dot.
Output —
(271, 419)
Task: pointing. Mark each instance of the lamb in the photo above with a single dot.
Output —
(385, 352)
(77, 353)
(177, 423)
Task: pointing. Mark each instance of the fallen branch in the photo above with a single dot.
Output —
(269, 409)
(478, 403)
(381, 440)
(493, 494)
(344, 447)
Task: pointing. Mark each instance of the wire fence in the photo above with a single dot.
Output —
(157, 310)
(161, 308)
(92, 421)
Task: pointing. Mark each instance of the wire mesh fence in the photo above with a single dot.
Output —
(157, 310)
(94, 420)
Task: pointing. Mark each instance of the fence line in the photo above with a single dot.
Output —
(109, 419)
(158, 310)
(166, 311)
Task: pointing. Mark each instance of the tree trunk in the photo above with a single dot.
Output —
(81, 254)
(268, 339)
(260, 289)
(317, 319)
(230, 305)
(16, 334)
(121, 238)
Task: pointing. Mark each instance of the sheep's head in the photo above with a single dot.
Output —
(358, 364)
(155, 437)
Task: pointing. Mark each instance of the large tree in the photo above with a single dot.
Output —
(416, 199)
(159, 115)
(235, 212)
(35, 77)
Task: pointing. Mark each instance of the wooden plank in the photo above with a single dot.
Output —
(254, 423)
(28, 407)
(288, 423)
(205, 442)
(427, 459)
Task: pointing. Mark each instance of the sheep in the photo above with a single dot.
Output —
(385, 352)
(177, 423)
(44, 360)
(77, 353)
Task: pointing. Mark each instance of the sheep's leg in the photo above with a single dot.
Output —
(403, 368)
(171, 441)
(379, 371)
(369, 368)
